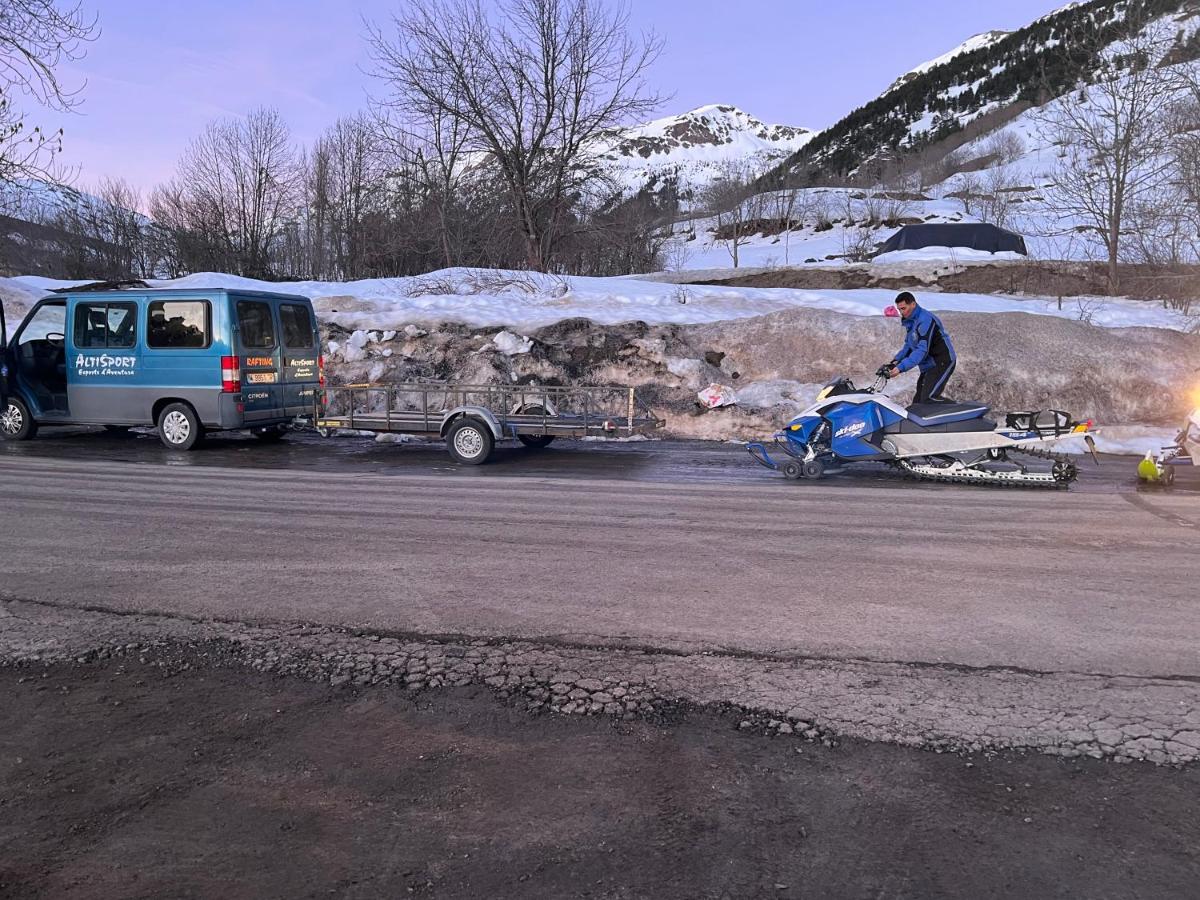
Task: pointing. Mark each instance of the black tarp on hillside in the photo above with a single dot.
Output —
(976, 236)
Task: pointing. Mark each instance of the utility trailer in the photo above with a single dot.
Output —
(473, 417)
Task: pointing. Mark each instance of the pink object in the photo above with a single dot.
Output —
(891, 312)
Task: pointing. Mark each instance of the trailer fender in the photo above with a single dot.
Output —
(475, 412)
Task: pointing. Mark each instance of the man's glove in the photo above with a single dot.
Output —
(882, 371)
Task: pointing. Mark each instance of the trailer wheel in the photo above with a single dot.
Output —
(179, 427)
(469, 441)
(16, 424)
(536, 441)
(270, 435)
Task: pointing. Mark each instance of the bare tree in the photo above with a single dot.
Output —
(36, 38)
(968, 187)
(533, 83)
(789, 207)
(351, 175)
(1114, 137)
(104, 233)
(736, 210)
(233, 193)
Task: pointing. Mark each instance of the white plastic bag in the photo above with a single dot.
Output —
(717, 395)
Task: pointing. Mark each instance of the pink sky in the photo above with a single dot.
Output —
(159, 71)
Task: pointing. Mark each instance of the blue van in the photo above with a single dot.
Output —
(183, 361)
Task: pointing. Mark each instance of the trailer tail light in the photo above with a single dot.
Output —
(321, 370)
(231, 375)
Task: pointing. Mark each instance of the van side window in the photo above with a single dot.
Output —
(179, 324)
(297, 326)
(105, 325)
(255, 324)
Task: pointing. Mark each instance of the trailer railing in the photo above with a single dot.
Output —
(420, 407)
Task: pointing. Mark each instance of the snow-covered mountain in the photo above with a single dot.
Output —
(691, 150)
(985, 82)
(975, 42)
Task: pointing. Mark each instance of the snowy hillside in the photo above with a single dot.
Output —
(980, 84)
(999, 161)
(689, 151)
(525, 300)
(975, 42)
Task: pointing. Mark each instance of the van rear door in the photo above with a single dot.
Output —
(301, 352)
(258, 347)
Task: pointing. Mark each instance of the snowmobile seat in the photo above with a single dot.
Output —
(931, 414)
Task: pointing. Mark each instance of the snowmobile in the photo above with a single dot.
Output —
(942, 441)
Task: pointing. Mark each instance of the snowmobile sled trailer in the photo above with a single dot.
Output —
(472, 418)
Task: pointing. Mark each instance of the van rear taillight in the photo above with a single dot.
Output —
(321, 370)
(231, 374)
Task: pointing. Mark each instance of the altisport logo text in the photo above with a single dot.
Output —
(105, 365)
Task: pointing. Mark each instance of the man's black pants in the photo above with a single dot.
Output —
(933, 381)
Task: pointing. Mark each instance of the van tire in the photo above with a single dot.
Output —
(16, 423)
(179, 427)
(469, 441)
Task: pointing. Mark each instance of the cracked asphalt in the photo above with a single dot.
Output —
(930, 616)
(609, 671)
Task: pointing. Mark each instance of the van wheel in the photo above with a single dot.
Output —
(16, 424)
(470, 441)
(178, 427)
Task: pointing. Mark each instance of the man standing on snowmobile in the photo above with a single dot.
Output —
(926, 346)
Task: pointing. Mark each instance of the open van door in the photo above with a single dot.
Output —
(3, 360)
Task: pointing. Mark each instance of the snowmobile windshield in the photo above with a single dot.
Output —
(836, 388)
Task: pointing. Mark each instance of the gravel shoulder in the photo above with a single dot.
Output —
(179, 775)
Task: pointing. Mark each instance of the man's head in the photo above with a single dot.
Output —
(906, 303)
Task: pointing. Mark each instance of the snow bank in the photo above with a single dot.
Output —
(524, 301)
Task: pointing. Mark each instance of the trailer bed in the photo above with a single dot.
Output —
(534, 415)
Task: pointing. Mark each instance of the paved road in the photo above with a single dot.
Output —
(686, 462)
(1100, 581)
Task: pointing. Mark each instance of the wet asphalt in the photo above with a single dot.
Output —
(658, 461)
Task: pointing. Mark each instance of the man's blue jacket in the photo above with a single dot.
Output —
(926, 343)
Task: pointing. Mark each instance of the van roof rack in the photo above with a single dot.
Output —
(133, 285)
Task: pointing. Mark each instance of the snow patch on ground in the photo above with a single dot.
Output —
(1123, 440)
(376, 305)
(512, 344)
(943, 254)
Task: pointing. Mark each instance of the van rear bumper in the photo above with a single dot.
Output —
(230, 414)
